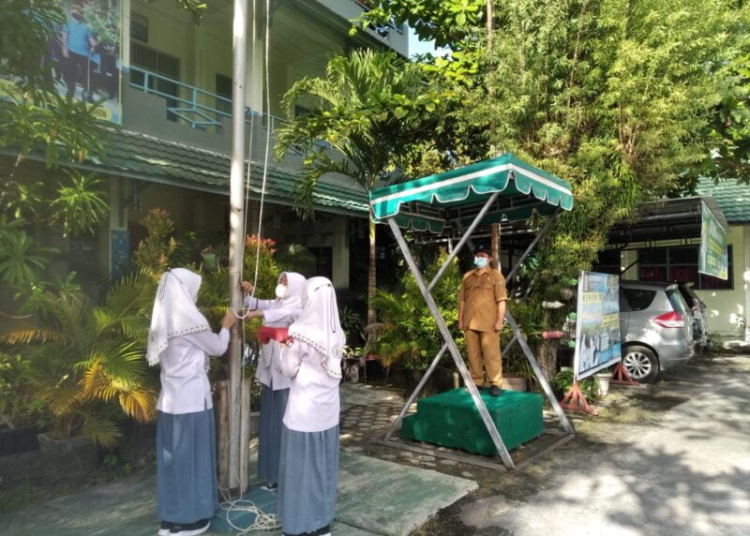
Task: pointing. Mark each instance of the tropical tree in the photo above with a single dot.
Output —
(370, 109)
(629, 100)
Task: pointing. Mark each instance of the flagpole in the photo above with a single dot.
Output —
(237, 239)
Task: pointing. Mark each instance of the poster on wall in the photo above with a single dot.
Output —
(598, 340)
(713, 259)
(84, 57)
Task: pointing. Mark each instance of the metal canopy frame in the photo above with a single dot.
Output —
(567, 432)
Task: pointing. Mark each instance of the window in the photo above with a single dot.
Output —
(138, 26)
(608, 262)
(636, 299)
(152, 60)
(224, 89)
(679, 263)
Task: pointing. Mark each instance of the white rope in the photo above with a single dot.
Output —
(263, 521)
(261, 206)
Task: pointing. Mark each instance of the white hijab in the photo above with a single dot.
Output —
(295, 284)
(175, 313)
(319, 325)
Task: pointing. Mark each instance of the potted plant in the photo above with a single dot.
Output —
(603, 378)
(209, 258)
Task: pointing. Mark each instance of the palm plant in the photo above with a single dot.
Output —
(86, 363)
(372, 108)
(409, 336)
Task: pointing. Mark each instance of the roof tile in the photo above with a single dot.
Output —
(152, 159)
(732, 197)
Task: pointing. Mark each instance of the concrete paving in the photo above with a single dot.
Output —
(671, 459)
(680, 472)
(376, 497)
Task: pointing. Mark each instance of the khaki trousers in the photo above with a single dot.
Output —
(483, 348)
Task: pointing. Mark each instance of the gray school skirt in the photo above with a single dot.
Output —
(308, 477)
(186, 483)
(272, 408)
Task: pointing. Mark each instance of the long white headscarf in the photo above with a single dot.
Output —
(319, 325)
(175, 313)
(295, 284)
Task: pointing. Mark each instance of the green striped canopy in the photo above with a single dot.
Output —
(456, 196)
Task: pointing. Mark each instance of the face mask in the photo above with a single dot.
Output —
(280, 291)
(480, 262)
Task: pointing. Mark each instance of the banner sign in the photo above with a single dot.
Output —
(713, 259)
(598, 339)
(84, 57)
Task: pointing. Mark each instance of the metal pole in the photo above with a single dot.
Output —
(533, 244)
(473, 391)
(540, 375)
(464, 238)
(236, 238)
(416, 391)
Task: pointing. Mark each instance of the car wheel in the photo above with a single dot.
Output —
(641, 363)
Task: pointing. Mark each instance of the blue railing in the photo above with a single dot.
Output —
(197, 107)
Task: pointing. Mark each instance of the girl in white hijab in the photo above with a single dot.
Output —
(311, 357)
(180, 341)
(278, 313)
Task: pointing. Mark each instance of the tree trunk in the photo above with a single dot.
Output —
(371, 281)
(547, 355)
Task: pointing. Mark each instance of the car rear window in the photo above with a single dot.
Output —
(677, 301)
(639, 299)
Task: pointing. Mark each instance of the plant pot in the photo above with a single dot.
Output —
(209, 261)
(17, 440)
(567, 293)
(514, 383)
(70, 458)
(138, 442)
(603, 380)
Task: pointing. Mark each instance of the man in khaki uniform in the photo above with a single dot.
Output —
(482, 299)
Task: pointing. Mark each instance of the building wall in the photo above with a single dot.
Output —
(726, 308)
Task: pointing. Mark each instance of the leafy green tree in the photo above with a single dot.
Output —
(370, 108)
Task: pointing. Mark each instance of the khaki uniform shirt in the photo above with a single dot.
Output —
(481, 294)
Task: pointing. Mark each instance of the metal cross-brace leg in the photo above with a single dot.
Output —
(451, 344)
(540, 376)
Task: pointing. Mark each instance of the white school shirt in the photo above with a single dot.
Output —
(275, 315)
(184, 382)
(313, 404)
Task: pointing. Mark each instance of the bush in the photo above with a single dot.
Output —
(409, 336)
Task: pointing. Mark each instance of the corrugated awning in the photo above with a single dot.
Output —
(456, 196)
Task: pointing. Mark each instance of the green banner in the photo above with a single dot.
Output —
(713, 258)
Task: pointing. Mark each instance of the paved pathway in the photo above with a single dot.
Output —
(376, 497)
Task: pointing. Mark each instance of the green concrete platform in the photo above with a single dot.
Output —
(451, 419)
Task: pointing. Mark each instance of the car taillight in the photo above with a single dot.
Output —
(670, 320)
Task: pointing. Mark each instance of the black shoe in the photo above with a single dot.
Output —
(164, 528)
(495, 391)
(191, 529)
(325, 531)
(270, 487)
